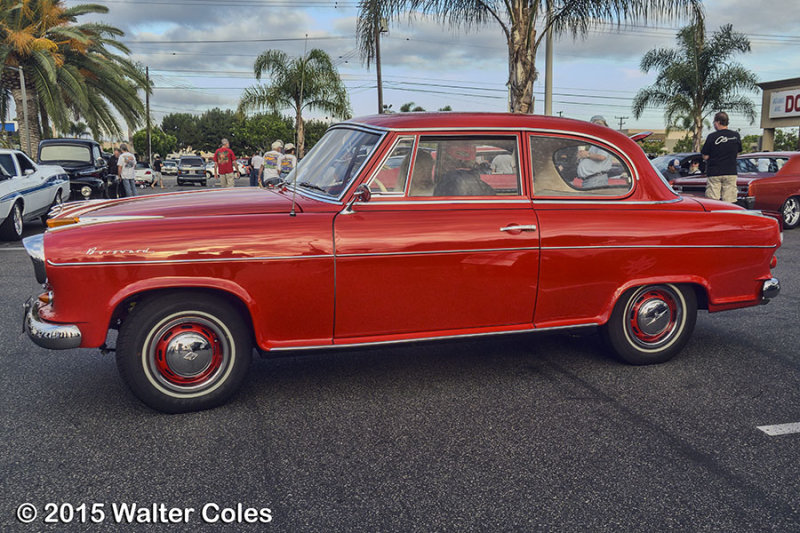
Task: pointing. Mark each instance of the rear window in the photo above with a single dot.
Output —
(65, 152)
(191, 161)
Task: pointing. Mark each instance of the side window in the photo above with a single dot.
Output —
(96, 153)
(572, 167)
(7, 169)
(392, 177)
(25, 164)
(466, 166)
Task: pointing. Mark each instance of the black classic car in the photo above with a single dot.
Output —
(82, 159)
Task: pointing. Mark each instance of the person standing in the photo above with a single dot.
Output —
(271, 168)
(126, 169)
(157, 177)
(112, 179)
(224, 161)
(289, 160)
(720, 151)
(255, 167)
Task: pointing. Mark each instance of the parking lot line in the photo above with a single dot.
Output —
(781, 429)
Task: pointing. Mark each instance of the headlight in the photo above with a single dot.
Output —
(86, 191)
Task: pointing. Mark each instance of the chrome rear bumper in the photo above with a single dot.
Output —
(771, 289)
(46, 334)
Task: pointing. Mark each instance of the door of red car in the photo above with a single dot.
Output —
(444, 247)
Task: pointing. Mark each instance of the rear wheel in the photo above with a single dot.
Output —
(791, 212)
(11, 228)
(651, 324)
(57, 201)
(184, 351)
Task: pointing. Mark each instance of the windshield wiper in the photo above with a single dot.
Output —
(312, 186)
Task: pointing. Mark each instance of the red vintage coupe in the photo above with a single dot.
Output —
(397, 228)
(768, 181)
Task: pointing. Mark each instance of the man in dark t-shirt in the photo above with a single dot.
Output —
(720, 151)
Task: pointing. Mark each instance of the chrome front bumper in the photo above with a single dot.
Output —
(46, 334)
(770, 289)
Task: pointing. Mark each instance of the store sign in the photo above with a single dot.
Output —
(785, 104)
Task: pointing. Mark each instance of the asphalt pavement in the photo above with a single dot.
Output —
(521, 433)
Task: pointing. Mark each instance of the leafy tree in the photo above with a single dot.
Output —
(786, 140)
(409, 107)
(653, 147)
(214, 125)
(183, 126)
(698, 78)
(315, 129)
(162, 143)
(446, 108)
(685, 145)
(520, 20)
(750, 143)
(258, 132)
(70, 69)
(77, 129)
(308, 82)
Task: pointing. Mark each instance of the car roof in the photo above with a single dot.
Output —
(68, 141)
(768, 154)
(450, 120)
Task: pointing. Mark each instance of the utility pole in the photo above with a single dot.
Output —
(548, 65)
(380, 27)
(621, 121)
(147, 111)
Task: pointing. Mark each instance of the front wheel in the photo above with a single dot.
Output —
(57, 201)
(11, 228)
(651, 324)
(791, 212)
(184, 351)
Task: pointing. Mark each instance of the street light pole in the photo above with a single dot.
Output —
(147, 111)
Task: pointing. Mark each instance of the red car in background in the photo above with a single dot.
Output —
(768, 181)
(391, 230)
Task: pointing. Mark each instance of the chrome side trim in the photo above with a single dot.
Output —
(666, 246)
(605, 202)
(46, 334)
(434, 338)
(175, 261)
(431, 252)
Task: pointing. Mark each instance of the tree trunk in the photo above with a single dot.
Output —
(301, 134)
(521, 60)
(28, 129)
(698, 132)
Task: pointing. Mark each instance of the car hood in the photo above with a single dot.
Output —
(243, 201)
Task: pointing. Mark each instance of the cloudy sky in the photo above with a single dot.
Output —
(201, 53)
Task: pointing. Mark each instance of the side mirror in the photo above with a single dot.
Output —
(362, 194)
(29, 171)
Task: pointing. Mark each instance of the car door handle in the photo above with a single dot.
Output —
(530, 227)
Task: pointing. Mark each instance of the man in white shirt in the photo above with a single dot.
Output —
(271, 168)
(126, 170)
(255, 167)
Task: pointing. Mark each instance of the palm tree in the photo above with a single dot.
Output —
(410, 107)
(698, 78)
(76, 129)
(308, 82)
(69, 69)
(519, 20)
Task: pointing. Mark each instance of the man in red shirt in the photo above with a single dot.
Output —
(224, 161)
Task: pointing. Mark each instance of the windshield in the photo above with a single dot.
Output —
(65, 152)
(334, 161)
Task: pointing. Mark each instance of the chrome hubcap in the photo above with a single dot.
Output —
(17, 216)
(654, 315)
(791, 211)
(189, 353)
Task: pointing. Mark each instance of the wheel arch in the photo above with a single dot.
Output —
(124, 301)
(699, 285)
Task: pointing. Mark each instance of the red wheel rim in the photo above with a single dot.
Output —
(653, 316)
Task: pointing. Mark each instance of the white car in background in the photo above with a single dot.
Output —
(27, 191)
(144, 174)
